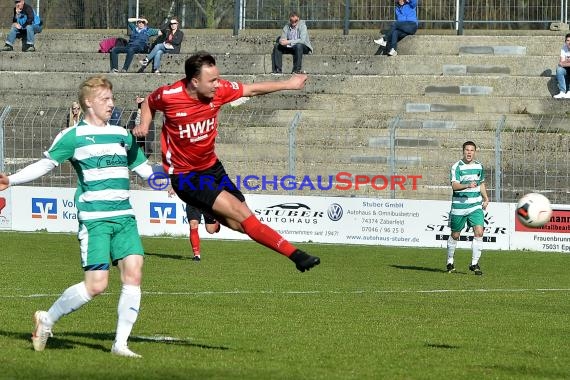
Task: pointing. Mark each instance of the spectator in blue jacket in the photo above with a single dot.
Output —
(25, 24)
(406, 24)
(140, 33)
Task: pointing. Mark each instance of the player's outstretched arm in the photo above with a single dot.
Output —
(295, 82)
(27, 174)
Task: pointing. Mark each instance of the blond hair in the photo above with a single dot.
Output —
(70, 119)
(88, 87)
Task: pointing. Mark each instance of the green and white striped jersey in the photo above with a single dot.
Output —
(102, 157)
(467, 200)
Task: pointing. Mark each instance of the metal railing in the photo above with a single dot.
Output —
(272, 14)
(520, 156)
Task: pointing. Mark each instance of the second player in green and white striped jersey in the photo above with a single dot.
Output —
(469, 199)
(471, 175)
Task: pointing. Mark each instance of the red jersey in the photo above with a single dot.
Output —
(190, 125)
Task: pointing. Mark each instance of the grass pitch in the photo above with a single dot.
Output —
(245, 312)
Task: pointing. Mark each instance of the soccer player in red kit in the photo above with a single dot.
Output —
(190, 107)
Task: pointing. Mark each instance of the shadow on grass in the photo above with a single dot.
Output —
(413, 267)
(167, 256)
(147, 339)
(424, 269)
(61, 341)
(439, 345)
(176, 341)
(65, 340)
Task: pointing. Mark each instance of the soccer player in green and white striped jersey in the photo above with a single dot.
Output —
(102, 155)
(469, 200)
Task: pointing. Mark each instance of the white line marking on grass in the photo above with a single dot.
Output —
(472, 291)
(248, 292)
(159, 338)
(29, 295)
(293, 292)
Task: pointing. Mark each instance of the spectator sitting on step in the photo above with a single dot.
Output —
(140, 33)
(294, 40)
(562, 70)
(74, 116)
(406, 24)
(25, 25)
(169, 41)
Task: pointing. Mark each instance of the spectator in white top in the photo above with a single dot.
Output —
(562, 70)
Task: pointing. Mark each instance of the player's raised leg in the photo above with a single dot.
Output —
(239, 217)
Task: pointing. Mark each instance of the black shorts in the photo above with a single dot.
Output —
(192, 213)
(200, 189)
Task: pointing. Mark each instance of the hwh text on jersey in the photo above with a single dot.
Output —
(196, 129)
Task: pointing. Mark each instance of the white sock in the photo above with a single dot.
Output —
(476, 247)
(128, 310)
(451, 244)
(72, 299)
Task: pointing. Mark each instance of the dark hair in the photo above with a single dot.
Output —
(294, 14)
(193, 65)
(469, 143)
(567, 35)
(174, 18)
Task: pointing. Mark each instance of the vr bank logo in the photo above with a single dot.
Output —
(163, 213)
(44, 208)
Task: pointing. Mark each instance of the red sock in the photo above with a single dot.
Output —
(195, 241)
(267, 236)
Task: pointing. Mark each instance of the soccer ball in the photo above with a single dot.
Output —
(534, 210)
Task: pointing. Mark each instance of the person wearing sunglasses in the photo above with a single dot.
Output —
(169, 41)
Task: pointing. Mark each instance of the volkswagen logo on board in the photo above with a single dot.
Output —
(335, 212)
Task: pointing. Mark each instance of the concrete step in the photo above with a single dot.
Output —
(100, 63)
(358, 42)
(62, 99)
(464, 121)
(390, 105)
(415, 104)
(213, 41)
(483, 45)
(341, 136)
(354, 64)
(457, 86)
